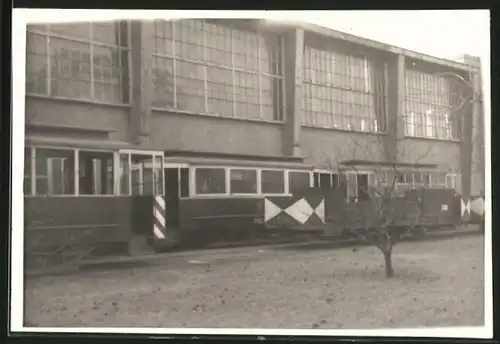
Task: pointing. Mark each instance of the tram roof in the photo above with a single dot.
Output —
(386, 164)
(231, 159)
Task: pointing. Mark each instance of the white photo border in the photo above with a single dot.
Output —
(23, 16)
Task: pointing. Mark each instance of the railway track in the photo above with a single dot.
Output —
(112, 262)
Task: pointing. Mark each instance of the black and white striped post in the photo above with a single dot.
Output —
(159, 218)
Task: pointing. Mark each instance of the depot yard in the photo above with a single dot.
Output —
(437, 283)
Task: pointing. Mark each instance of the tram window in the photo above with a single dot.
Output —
(243, 181)
(426, 179)
(272, 182)
(417, 178)
(362, 185)
(184, 182)
(351, 186)
(148, 181)
(316, 179)
(451, 181)
(298, 181)
(210, 181)
(54, 172)
(325, 180)
(95, 173)
(27, 171)
(335, 181)
(124, 174)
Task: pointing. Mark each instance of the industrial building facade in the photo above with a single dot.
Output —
(108, 97)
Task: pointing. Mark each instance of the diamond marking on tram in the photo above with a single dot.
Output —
(300, 210)
(271, 210)
(464, 207)
(320, 211)
(477, 206)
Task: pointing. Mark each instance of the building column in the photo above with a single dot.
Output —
(141, 34)
(395, 76)
(467, 118)
(477, 133)
(293, 71)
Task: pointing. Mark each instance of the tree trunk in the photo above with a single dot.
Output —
(389, 272)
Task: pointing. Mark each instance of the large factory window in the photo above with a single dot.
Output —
(343, 91)
(84, 61)
(215, 67)
(210, 181)
(272, 182)
(433, 105)
(298, 181)
(243, 181)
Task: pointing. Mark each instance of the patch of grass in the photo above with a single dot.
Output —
(436, 284)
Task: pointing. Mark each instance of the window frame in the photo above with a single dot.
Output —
(371, 98)
(435, 122)
(288, 171)
(174, 58)
(258, 188)
(121, 47)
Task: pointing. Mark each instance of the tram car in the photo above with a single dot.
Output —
(180, 199)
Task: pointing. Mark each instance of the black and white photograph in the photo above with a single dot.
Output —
(261, 173)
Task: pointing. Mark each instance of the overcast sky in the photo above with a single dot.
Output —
(445, 34)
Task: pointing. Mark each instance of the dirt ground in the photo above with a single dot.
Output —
(436, 284)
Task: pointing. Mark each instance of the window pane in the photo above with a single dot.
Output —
(316, 179)
(55, 172)
(352, 186)
(70, 69)
(430, 98)
(325, 180)
(343, 91)
(184, 182)
(107, 82)
(27, 171)
(273, 182)
(135, 175)
(210, 180)
(163, 82)
(243, 181)
(36, 63)
(243, 76)
(148, 181)
(124, 174)
(298, 181)
(59, 61)
(143, 181)
(96, 173)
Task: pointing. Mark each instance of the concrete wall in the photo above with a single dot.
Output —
(204, 133)
(85, 115)
(327, 147)
(427, 151)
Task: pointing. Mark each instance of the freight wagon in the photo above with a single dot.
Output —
(179, 199)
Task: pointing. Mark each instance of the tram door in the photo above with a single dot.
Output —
(172, 196)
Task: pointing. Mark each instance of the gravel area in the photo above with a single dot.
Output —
(436, 284)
